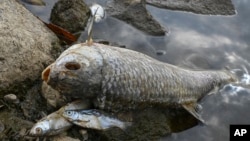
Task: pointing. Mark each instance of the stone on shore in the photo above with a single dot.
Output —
(25, 47)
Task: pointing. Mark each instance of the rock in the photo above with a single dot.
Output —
(11, 98)
(71, 15)
(135, 13)
(35, 2)
(213, 7)
(196, 61)
(26, 45)
(161, 52)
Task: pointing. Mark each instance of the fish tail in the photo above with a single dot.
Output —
(231, 76)
(126, 125)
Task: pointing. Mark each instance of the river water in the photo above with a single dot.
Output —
(198, 42)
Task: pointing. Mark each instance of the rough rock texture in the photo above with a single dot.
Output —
(25, 47)
(71, 15)
(135, 13)
(213, 7)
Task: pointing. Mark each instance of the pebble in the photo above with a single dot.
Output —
(84, 134)
(160, 52)
(12, 98)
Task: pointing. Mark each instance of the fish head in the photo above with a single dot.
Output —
(76, 115)
(77, 71)
(52, 124)
(40, 129)
(71, 115)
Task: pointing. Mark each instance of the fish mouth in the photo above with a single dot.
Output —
(37, 131)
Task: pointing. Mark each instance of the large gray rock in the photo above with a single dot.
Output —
(25, 47)
(135, 13)
(212, 7)
(71, 15)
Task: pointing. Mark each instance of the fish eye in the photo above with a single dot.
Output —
(72, 66)
(69, 113)
(39, 130)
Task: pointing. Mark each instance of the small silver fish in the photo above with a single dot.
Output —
(119, 79)
(98, 12)
(54, 123)
(94, 119)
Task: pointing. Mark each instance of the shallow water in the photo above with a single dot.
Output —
(195, 41)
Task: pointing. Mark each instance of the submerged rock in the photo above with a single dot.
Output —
(135, 13)
(35, 2)
(25, 44)
(213, 7)
(71, 15)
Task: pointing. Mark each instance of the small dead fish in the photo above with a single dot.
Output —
(94, 119)
(50, 125)
(119, 79)
(97, 12)
(54, 123)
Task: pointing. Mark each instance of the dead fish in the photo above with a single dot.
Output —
(119, 79)
(54, 123)
(50, 125)
(98, 12)
(94, 119)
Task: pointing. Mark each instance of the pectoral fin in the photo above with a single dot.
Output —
(193, 109)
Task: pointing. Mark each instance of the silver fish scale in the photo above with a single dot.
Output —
(132, 80)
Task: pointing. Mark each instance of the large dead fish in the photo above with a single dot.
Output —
(121, 79)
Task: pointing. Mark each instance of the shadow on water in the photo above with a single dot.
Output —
(195, 41)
